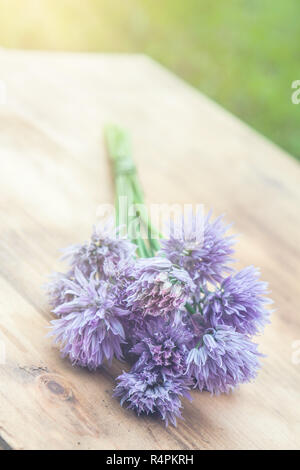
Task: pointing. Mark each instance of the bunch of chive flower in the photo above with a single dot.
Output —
(173, 308)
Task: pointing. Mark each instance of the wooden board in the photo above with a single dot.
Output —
(53, 175)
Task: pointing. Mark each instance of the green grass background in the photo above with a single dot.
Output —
(244, 54)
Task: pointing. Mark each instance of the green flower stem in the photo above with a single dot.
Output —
(127, 184)
(142, 249)
(153, 233)
(190, 309)
(120, 184)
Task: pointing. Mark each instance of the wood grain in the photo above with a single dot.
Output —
(53, 175)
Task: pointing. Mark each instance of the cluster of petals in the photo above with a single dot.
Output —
(183, 318)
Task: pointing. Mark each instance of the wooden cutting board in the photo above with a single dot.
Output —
(54, 174)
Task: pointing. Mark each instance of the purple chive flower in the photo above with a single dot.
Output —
(224, 359)
(90, 328)
(148, 391)
(105, 250)
(161, 345)
(200, 246)
(158, 288)
(57, 289)
(239, 302)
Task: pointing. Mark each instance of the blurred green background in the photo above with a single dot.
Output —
(243, 54)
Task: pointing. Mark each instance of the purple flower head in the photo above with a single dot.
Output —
(90, 327)
(158, 288)
(105, 250)
(224, 359)
(57, 289)
(161, 345)
(148, 391)
(239, 302)
(200, 246)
